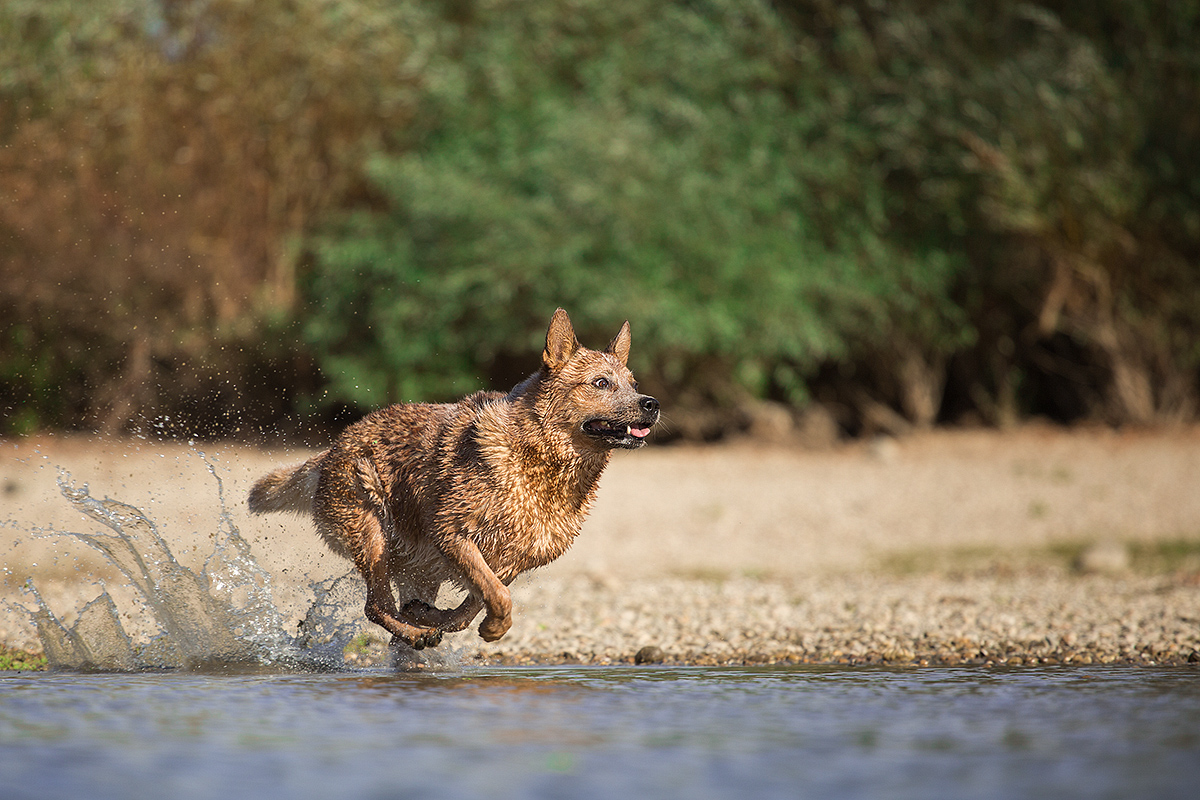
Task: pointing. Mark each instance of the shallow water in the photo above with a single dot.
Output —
(595, 732)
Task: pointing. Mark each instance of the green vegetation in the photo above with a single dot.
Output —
(20, 660)
(659, 161)
(361, 644)
(220, 214)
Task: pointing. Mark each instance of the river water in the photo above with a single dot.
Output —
(603, 732)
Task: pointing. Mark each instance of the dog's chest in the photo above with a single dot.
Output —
(524, 498)
(521, 521)
(544, 518)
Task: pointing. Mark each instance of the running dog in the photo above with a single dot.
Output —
(473, 493)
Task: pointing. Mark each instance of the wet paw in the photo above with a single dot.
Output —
(421, 640)
(492, 628)
(429, 639)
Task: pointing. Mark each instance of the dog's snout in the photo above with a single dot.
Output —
(649, 405)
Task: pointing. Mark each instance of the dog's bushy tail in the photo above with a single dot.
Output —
(288, 489)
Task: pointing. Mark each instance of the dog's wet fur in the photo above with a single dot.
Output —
(473, 493)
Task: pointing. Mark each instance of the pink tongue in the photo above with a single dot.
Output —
(640, 433)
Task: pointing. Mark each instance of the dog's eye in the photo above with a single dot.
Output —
(601, 383)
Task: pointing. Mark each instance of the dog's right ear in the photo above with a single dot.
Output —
(561, 343)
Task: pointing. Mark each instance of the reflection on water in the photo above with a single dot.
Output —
(605, 732)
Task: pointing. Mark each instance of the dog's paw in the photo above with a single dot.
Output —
(492, 628)
(431, 639)
(420, 640)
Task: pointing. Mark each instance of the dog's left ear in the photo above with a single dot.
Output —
(619, 346)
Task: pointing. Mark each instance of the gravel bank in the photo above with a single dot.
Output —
(927, 619)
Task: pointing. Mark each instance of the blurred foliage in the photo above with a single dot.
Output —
(161, 162)
(680, 165)
(229, 211)
(1043, 143)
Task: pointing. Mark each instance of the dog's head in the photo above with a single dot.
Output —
(593, 392)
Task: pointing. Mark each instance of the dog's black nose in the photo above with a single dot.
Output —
(648, 404)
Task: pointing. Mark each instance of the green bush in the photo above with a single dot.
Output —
(1043, 147)
(681, 165)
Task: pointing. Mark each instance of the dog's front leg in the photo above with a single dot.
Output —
(484, 584)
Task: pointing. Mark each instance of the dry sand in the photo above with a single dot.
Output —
(1038, 545)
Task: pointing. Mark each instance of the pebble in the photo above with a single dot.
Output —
(1104, 557)
(649, 655)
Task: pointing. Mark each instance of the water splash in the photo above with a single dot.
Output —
(221, 617)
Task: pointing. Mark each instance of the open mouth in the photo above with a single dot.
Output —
(619, 433)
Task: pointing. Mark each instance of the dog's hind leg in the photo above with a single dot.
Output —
(422, 610)
(371, 559)
(418, 612)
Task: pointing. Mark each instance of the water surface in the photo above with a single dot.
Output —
(170, 716)
(596, 732)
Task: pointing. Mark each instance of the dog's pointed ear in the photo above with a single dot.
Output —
(619, 346)
(561, 343)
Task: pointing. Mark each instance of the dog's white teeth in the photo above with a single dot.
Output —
(628, 430)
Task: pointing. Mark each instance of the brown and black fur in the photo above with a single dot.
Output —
(474, 492)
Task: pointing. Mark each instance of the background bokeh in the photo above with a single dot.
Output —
(231, 218)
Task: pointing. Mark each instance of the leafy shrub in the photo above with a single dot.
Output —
(1042, 144)
(681, 165)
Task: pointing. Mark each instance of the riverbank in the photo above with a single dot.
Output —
(1035, 546)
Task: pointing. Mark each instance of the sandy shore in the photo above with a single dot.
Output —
(1033, 546)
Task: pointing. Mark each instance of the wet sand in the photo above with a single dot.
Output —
(1038, 545)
